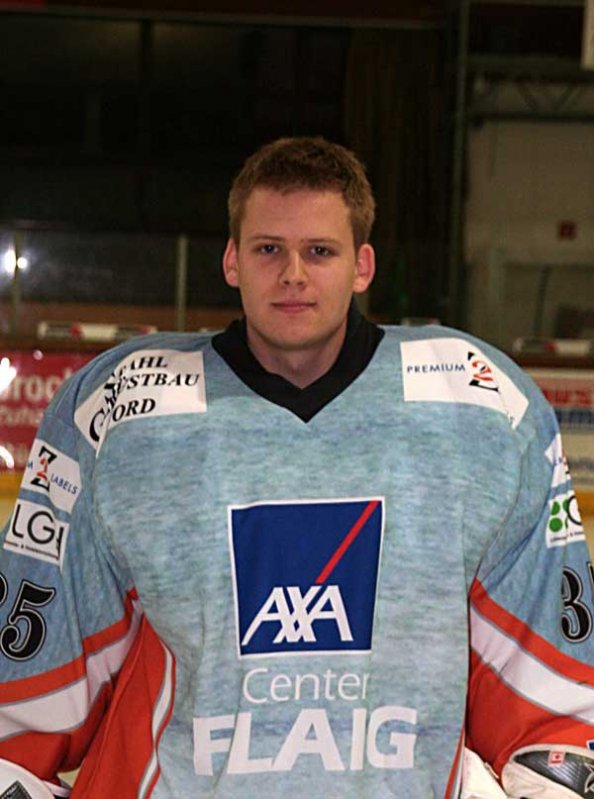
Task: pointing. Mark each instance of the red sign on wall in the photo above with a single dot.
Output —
(28, 381)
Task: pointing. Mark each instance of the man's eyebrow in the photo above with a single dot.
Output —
(259, 236)
(312, 240)
(322, 240)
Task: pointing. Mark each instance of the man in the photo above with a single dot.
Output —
(305, 556)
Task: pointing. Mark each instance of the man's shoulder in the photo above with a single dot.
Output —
(402, 333)
(444, 341)
(181, 342)
(442, 364)
(156, 351)
(162, 374)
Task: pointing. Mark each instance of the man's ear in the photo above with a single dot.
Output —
(230, 269)
(364, 268)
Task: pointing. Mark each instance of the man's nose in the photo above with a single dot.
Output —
(294, 271)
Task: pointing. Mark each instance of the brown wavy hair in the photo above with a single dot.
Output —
(307, 162)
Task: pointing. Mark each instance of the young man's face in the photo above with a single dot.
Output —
(296, 268)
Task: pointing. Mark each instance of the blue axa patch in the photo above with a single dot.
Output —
(305, 575)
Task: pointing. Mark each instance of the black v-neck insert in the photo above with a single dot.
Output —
(361, 341)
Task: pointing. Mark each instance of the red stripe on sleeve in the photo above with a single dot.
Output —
(61, 676)
(529, 640)
(499, 721)
(127, 741)
(44, 754)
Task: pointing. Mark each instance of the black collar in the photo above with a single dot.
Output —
(361, 341)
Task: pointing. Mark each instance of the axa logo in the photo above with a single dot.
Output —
(305, 575)
(482, 373)
(295, 614)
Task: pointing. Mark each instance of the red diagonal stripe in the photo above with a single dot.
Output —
(346, 542)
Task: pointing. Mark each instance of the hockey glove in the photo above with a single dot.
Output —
(549, 771)
(18, 783)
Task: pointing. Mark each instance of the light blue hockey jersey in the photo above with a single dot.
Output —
(204, 596)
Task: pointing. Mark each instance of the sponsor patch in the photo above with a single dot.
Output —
(453, 370)
(146, 383)
(383, 738)
(34, 531)
(54, 474)
(564, 525)
(305, 575)
(556, 455)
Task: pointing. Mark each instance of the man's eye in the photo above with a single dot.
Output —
(320, 251)
(268, 249)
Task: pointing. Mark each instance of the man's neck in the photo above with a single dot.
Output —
(361, 341)
(301, 367)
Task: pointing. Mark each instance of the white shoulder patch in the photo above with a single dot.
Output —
(52, 473)
(146, 383)
(454, 370)
(34, 531)
(556, 456)
(564, 525)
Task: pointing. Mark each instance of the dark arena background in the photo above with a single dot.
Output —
(122, 124)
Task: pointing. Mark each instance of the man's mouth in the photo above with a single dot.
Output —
(293, 306)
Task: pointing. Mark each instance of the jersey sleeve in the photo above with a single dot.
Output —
(532, 610)
(69, 614)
